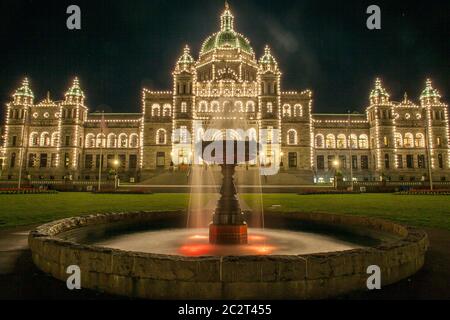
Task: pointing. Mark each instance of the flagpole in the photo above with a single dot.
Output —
(101, 153)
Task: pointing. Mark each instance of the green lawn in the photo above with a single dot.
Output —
(426, 211)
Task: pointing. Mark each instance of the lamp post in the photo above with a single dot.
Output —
(336, 168)
(116, 164)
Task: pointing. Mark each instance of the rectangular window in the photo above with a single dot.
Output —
(269, 107)
(160, 159)
(386, 161)
(53, 159)
(43, 160)
(14, 141)
(330, 162)
(123, 161)
(97, 161)
(292, 159)
(133, 161)
(364, 162)
(410, 161)
(66, 160)
(67, 141)
(441, 161)
(88, 161)
(342, 162)
(421, 161)
(320, 162)
(31, 160)
(110, 160)
(354, 162)
(400, 161)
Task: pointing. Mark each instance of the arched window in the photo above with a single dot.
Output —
(398, 140)
(331, 141)
(134, 140)
(292, 137)
(90, 141)
(156, 110)
(320, 141)
(100, 141)
(353, 141)
(123, 140)
(298, 110)
(287, 111)
(34, 139)
(203, 106)
(341, 141)
(112, 141)
(420, 140)
(363, 141)
(250, 106)
(161, 136)
(55, 139)
(215, 107)
(167, 110)
(408, 142)
(45, 139)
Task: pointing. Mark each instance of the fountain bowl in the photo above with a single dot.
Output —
(399, 251)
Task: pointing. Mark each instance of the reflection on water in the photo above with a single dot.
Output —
(195, 242)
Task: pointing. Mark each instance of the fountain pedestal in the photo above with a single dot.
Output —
(228, 225)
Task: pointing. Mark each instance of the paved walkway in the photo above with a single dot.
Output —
(20, 279)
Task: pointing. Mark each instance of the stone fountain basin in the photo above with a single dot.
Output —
(399, 251)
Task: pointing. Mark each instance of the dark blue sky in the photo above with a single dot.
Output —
(320, 45)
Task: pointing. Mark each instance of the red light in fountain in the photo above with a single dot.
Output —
(195, 250)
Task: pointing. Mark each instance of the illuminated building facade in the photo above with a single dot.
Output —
(227, 87)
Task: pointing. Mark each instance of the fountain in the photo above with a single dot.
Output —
(152, 255)
(229, 225)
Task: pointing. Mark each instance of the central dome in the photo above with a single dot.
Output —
(227, 37)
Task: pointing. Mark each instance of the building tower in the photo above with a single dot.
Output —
(381, 123)
(16, 130)
(73, 116)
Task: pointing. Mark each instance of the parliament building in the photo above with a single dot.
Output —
(226, 88)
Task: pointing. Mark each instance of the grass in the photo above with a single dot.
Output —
(422, 211)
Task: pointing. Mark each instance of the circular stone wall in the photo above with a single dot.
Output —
(153, 276)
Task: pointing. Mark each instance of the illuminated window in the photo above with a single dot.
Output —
(341, 141)
(420, 141)
(183, 107)
(319, 141)
(331, 141)
(269, 107)
(161, 136)
(292, 137)
(363, 141)
(408, 142)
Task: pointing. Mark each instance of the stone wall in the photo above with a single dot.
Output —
(152, 276)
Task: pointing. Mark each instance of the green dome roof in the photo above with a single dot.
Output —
(429, 91)
(227, 37)
(24, 90)
(75, 90)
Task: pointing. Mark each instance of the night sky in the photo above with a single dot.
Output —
(320, 45)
